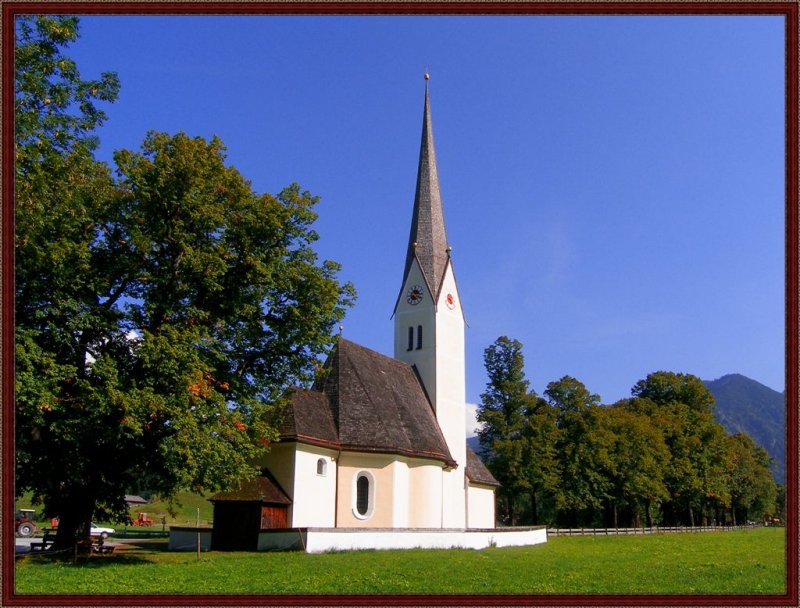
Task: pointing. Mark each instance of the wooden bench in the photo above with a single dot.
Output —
(94, 544)
(47, 541)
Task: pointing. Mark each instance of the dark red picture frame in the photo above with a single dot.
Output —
(791, 13)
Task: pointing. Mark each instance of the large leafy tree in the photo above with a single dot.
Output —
(581, 449)
(540, 462)
(638, 459)
(682, 408)
(160, 315)
(752, 488)
(60, 192)
(664, 388)
(502, 414)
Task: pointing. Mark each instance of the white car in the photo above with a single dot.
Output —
(96, 530)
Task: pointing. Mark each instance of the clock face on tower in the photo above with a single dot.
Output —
(414, 295)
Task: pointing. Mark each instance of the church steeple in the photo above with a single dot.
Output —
(429, 322)
(427, 241)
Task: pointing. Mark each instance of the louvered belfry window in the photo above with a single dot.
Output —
(362, 495)
(410, 338)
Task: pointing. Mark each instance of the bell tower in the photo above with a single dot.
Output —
(429, 322)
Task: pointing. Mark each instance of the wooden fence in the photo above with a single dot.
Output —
(654, 530)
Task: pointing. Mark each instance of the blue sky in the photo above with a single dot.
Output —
(613, 186)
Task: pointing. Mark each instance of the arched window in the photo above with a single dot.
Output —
(410, 338)
(419, 337)
(363, 495)
(322, 467)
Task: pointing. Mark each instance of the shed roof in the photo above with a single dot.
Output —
(477, 472)
(264, 489)
(133, 499)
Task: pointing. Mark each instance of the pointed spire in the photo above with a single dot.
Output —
(428, 239)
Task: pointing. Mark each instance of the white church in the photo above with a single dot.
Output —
(374, 455)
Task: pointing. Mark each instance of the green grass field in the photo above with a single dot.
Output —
(741, 562)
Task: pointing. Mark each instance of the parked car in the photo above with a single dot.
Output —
(100, 531)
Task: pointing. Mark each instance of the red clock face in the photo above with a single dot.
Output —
(451, 301)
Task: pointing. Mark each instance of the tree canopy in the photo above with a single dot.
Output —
(161, 310)
(657, 458)
(664, 388)
(502, 416)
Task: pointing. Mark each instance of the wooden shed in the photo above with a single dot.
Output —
(240, 515)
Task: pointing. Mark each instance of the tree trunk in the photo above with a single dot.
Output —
(648, 520)
(691, 516)
(534, 514)
(74, 520)
(614, 508)
(733, 515)
(671, 517)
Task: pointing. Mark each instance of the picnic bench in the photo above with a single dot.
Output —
(47, 541)
(93, 544)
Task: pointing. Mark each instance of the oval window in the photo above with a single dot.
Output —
(362, 495)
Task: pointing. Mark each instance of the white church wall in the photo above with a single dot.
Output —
(451, 397)
(424, 494)
(380, 470)
(400, 477)
(315, 493)
(480, 506)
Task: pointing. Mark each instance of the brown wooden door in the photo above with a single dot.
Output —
(274, 516)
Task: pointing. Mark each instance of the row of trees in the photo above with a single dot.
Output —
(657, 458)
(159, 307)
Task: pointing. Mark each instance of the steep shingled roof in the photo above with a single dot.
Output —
(477, 472)
(309, 418)
(264, 489)
(366, 402)
(427, 241)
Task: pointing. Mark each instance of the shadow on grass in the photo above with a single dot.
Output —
(130, 553)
(144, 545)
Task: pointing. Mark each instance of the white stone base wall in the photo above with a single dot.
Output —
(321, 540)
(185, 538)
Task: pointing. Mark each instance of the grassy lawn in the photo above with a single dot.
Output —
(713, 562)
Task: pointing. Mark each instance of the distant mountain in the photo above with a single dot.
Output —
(744, 405)
(474, 444)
